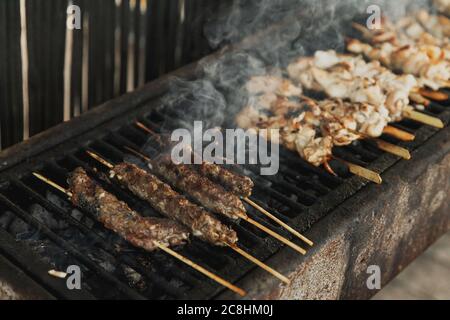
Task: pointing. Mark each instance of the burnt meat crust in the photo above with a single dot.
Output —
(117, 216)
(173, 205)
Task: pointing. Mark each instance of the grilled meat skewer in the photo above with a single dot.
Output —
(239, 185)
(350, 77)
(210, 195)
(171, 204)
(117, 216)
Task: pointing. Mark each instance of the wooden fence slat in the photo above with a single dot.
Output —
(162, 43)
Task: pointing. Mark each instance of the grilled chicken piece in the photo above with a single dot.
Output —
(297, 124)
(117, 216)
(350, 77)
(171, 204)
(308, 127)
(408, 59)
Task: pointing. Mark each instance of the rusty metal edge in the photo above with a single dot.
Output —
(386, 226)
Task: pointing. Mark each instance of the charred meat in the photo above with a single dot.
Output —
(171, 204)
(210, 195)
(117, 216)
(239, 185)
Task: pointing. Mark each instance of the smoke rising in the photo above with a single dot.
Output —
(285, 29)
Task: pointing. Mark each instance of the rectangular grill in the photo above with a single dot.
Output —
(40, 230)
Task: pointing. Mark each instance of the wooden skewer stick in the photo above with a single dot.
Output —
(259, 263)
(281, 223)
(398, 133)
(386, 146)
(202, 270)
(392, 148)
(100, 159)
(366, 32)
(273, 234)
(361, 171)
(145, 128)
(138, 154)
(412, 114)
(53, 184)
(446, 83)
(434, 95)
(161, 246)
(243, 217)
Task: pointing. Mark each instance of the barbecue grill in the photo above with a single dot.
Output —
(353, 223)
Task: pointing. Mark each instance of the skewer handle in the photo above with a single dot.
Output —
(274, 234)
(423, 118)
(201, 269)
(398, 133)
(100, 159)
(53, 184)
(434, 95)
(138, 154)
(362, 172)
(392, 148)
(280, 222)
(260, 264)
(145, 128)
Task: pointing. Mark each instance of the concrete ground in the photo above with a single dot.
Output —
(428, 277)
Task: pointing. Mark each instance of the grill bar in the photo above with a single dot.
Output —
(97, 239)
(70, 248)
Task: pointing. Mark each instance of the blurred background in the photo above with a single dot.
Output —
(50, 73)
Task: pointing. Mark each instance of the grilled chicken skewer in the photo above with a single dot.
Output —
(163, 198)
(299, 128)
(265, 90)
(352, 78)
(238, 184)
(408, 59)
(144, 232)
(444, 7)
(408, 47)
(343, 121)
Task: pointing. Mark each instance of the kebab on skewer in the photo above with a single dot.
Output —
(350, 77)
(173, 205)
(343, 121)
(404, 53)
(169, 203)
(300, 127)
(148, 233)
(204, 191)
(239, 185)
(267, 88)
(443, 6)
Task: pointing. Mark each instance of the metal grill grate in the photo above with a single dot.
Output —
(44, 220)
